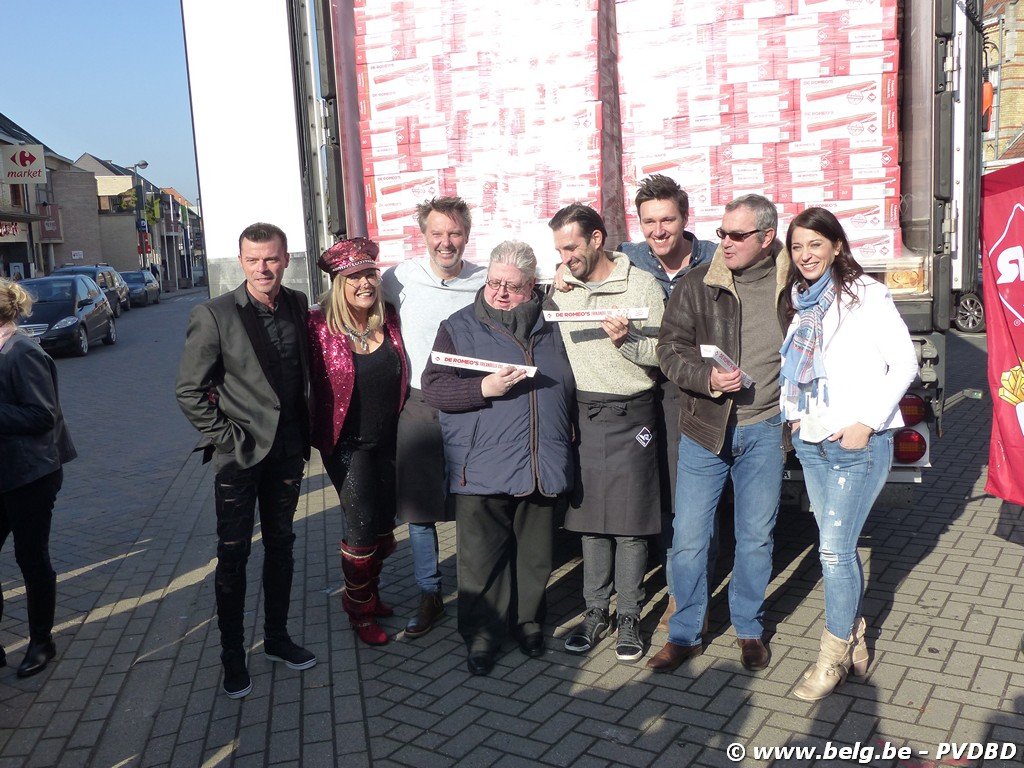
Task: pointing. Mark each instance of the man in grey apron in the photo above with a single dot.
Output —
(617, 498)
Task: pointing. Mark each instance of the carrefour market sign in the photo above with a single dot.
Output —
(24, 164)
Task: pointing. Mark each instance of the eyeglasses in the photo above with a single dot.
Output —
(371, 277)
(497, 285)
(736, 237)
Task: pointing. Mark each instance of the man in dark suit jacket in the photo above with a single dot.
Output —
(244, 383)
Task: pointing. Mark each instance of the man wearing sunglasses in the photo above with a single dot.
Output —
(617, 497)
(727, 429)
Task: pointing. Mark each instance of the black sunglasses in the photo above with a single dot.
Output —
(736, 237)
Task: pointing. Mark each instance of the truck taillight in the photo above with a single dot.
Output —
(908, 446)
(914, 409)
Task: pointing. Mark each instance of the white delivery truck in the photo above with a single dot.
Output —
(334, 118)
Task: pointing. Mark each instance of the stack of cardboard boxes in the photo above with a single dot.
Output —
(497, 103)
(506, 105)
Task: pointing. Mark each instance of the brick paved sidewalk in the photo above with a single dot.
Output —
(137, 681)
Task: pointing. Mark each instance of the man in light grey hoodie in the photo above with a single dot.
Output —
(426, 291)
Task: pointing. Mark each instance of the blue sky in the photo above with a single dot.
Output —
(105, 77)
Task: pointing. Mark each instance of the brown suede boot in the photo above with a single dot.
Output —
(828, 671)
(430, 610)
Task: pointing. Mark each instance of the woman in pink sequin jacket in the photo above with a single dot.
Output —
(360, 381)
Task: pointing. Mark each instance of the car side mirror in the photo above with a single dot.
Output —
(82, 303)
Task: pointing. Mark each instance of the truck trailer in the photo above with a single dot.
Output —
(333, 118)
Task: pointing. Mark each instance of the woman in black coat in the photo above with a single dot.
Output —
(34, 444)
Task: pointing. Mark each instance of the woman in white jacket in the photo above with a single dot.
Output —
(847, 361)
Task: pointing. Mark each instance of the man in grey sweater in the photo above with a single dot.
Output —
(613, 359)
(426, 291)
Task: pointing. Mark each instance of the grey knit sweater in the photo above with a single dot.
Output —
(597, 365)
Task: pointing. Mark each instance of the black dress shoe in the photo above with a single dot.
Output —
(480, 663)
(531, 644)
(36, 658)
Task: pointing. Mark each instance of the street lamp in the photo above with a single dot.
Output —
(140, 220)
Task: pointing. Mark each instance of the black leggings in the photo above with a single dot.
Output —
(26, 512)
(364, 477)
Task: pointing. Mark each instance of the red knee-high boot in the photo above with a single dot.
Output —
(360, 597)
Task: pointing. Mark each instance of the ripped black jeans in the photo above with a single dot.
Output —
(274, 485)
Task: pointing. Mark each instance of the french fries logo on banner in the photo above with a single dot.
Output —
(1011, 390)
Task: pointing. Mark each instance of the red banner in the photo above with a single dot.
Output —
(1002, 246)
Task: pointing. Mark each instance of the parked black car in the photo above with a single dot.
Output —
(109, 281)
(69, 314)
(143, 287)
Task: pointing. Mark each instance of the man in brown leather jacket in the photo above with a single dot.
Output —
(727, 428)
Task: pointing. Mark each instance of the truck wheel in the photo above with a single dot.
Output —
(970, 314)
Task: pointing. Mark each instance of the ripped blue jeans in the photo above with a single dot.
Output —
(842, 485)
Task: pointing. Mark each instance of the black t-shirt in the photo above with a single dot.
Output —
(372, 417)
(282, 330)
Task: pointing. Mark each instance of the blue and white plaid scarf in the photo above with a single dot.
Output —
(802, 366)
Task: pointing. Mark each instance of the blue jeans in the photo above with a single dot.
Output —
(842, 486)
(753, 455)
(423, 542)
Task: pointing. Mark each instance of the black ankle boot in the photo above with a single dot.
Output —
(37, 657)
(41, 599)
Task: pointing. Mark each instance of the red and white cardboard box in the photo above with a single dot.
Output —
(383, 134)
(840, 94)
(767, 9)
(424, 157)
(402, 191)
(764, 96)
(764, 127)
(856, 215)
(797, 157)
(870, 21)
(647, 15)
(427, 129)
(806, 62)
(395, 89)
(741, 41)
(848, 107)
(828, 6)
(712, 12)
(822, 186)
(704, 100)
(867, 58)
(853, 157)
(743, 153)
(875, 248)
(762, 69)
(745, 164)
(687, 166)
(800, 30)
(725, 192)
